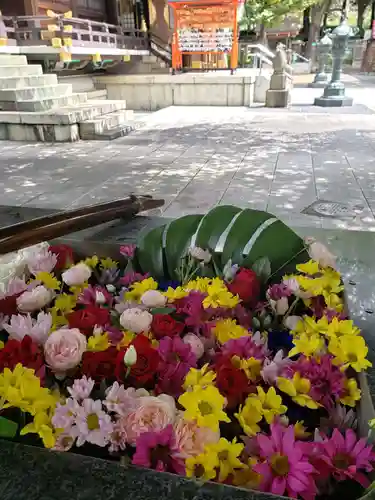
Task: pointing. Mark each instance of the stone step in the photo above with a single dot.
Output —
(115, 133)
(30, 70)
(36, 93)
(89, 129)
(44, 104)
(16, 82)
(97, 94)
(66, 115)
(11, 60)
(150, 58)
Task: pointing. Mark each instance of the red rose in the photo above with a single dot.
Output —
(100, 365)
(8, 305)
(86, 319)
(163, 325)
(246, 285)
(25, 352)
(64, 255)
(232, 383)
(144, 370)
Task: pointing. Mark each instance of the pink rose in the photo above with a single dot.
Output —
(136, 320)
(195, 343)
(191, 439)
(64, 348)
(34, 300)
(76, 275)
(154, 413)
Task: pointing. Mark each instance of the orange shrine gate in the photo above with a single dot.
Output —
(204, 28)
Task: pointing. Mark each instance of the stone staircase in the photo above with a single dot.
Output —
(35, 107)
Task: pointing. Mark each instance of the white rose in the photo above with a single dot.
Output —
(136, 320)
(153, 298)
(76, 275)
(35, 299)
(200, 254)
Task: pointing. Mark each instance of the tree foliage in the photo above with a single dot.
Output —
(270, 12)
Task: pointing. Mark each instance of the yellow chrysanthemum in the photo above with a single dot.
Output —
(78, 289)
(249, 415)
(219, 296)
(173, 294)
(271, 403)
(48, 280)
(339, 328)
(108, 263)
(65, 303)
(127, 338)
(42, 426)
(311, 268)
(349, 350)
(139, 288)
(226, 329)
(309, 345)
(300, 430)
(352, 393)
(20, 388)
(200, 285)
(205, 406)
(1, 344)
(319, 281)
(247, 477)
(202, 378)
(227, 454)
(92, 261)
(97, 343)
(298, 389)
(202, 466)
(333, 301)
(251, 366)
(310, 326)
(58, 320)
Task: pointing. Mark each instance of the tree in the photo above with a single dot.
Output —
(317, 13)
(264, 13)
(361, 9)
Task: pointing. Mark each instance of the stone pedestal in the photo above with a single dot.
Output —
(277, 98)
(334, 96)
(320, 81)
(278, 95)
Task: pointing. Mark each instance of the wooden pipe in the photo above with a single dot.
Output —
(64, 215)
(64, 223)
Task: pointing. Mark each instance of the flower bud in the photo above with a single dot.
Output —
(100, 298)
(130, 356)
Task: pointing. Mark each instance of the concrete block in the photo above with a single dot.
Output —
(30, 70)
(235, 94)
(36, 93)
(262, 84)
(90, 128)
(11, 60)
(3, 132)
(10, 117)
(161, 96)
(43, 133)
(44, 104)
(17, 82)
(277, 98)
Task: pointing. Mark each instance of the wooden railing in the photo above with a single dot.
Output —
(40, 30)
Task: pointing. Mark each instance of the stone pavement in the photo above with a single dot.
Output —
(276, 160)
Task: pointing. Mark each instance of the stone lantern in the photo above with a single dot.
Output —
(323, 48)
(334, 92)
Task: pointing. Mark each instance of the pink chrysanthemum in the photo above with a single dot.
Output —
(159, 451)
(95, 295)
(65, 414)
(283, 465)
(81, 388)
(344, 457)
(327, 380)
(93, 425)
(41, 261)
(245, 347)
(176, 359)
(118, 438)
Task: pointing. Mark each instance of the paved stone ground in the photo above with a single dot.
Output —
(195, 158)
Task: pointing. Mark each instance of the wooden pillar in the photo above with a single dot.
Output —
(74, 7)
(31, 7)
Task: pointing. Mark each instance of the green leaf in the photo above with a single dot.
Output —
(262, 268)
(177, 240)
(163, 310)
(8, 428)
(245, 225)
(213, 225)
(149, 253)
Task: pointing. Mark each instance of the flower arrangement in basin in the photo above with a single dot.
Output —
(219, 349)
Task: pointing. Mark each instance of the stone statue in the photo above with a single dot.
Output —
(279, 62)
(278, 95)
